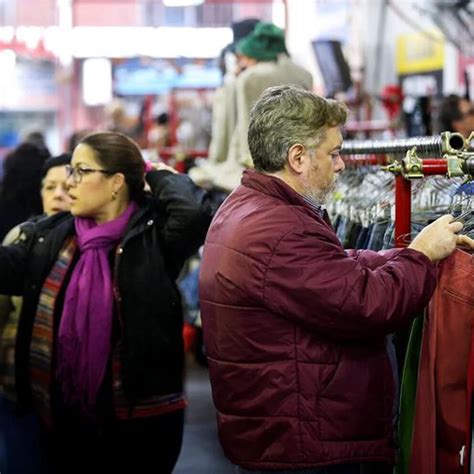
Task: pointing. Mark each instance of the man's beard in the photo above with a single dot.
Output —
(319, 196)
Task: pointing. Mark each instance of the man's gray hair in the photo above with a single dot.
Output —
(284, 116)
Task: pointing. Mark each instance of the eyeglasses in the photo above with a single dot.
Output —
(78, 173)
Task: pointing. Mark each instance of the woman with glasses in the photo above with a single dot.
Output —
(99, 350)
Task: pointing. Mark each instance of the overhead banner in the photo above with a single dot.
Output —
(420, 52)
(420, 62)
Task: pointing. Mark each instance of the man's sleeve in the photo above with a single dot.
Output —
(311, 280)
(372, 259)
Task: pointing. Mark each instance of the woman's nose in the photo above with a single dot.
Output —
(70, 182)
(61, 191)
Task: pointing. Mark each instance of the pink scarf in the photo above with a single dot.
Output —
(85, 330)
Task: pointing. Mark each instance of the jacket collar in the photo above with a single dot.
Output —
(277, 188)
(272, 186)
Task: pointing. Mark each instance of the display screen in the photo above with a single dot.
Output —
(333, 66)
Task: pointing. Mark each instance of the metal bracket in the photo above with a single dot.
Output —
(412, 165)
(455, 166)
(395, 167)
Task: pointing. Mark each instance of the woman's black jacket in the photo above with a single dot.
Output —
(169, 226)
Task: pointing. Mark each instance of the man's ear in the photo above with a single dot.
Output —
(296, 158)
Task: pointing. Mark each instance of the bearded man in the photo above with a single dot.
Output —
(294, 326)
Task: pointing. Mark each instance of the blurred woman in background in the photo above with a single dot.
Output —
(20, 188)
(20, 428)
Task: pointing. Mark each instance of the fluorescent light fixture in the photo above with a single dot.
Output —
(30, 35)
(182, 3)
(8, 82)
(7, 33)
(163, 42)
(278, 13)
(126, 42)
(97, 81)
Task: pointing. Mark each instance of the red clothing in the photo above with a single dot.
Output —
(439, 430)
(295, 331)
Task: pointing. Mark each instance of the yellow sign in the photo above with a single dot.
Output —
(420, 52)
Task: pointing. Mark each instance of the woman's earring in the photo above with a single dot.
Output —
(114, 195)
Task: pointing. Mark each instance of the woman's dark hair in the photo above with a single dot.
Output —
(60, 160)
(37, 138)
(76, 138)
(119, 154)
(22, 174)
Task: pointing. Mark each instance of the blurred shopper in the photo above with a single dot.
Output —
(20, 196)
(99, 348)
(118, 120)
(294, 326)
(76, 138)
(224, 112)
(37, 138)
(262, 61)
(20, 429)
(54, 193)
(456, 114)
(159, 135)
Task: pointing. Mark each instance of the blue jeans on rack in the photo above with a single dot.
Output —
(342, 228)
(389, 236)
(362, 238)
(377, 235)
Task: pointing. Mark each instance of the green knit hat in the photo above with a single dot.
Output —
(265, 43)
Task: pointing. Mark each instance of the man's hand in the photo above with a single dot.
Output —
(439, 239)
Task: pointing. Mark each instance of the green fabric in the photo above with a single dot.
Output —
(408, 395)
(265, 43)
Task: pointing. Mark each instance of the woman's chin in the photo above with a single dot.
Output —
(76, 212)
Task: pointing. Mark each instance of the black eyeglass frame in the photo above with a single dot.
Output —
(77, 173)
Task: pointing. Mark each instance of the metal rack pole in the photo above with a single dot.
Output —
(402, 211)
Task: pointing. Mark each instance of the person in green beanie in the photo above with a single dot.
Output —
(265, 43)
(224, 110)
(263, 61)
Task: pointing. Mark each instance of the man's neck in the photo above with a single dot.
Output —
(294, 184)
(287, 178)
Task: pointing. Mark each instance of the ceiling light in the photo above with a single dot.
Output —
(182, 3)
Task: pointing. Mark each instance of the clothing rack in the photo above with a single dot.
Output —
(447, 154)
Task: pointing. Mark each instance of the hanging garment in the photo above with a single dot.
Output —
(439, 431)
(408, 396)
(468, 454)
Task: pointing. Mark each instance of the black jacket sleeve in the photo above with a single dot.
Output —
(14, 263)
(188, 211)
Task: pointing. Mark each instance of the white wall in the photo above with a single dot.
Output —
(369, 36)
